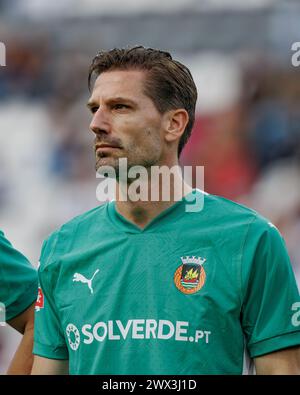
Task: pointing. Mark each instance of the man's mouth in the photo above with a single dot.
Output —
(106, 147)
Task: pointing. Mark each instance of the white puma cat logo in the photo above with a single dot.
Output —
(80, 277)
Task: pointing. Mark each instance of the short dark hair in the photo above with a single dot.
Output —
(169, 84)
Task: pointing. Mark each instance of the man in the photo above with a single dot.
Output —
(145, 287)
(18, 292)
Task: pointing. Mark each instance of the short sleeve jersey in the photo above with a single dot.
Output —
(18, 280)
(191, 293)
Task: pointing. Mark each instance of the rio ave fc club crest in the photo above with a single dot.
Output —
(190, 276)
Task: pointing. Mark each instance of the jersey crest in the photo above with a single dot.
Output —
(190, 276)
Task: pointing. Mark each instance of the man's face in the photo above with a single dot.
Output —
(125, 121)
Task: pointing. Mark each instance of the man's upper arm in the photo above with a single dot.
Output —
(18, 280)
(49, 339)
(285, 361)
(270, 295)
(48, 366)
(24, 320)
(23, 358)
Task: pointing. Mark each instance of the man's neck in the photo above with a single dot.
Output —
(142, 212)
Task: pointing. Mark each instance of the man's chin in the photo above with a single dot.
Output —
(107, 163)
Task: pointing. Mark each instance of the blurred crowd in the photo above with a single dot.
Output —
(246, 134)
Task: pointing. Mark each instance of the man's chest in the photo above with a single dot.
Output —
(148, 278)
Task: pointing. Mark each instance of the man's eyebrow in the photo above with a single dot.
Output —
(122, 99)
(92, 103)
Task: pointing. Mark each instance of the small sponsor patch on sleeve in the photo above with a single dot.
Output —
(39, 304)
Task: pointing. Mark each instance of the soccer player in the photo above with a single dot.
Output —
(139, 286)
(18, 292)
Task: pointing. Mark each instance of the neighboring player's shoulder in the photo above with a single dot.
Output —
(3, 239)
(60, 240)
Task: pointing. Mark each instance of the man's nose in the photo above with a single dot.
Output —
(100, 122)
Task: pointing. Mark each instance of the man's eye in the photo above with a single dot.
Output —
(94, 109)
(120, 106)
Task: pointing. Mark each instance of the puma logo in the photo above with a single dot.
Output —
(80, 278)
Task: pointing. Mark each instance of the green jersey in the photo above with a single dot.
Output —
(18, 280)
(188, 294)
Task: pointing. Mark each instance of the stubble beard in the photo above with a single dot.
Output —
(134, 159)
(135, 155)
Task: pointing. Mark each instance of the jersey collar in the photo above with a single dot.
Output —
(166, 217)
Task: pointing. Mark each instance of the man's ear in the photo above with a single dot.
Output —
(175, 124)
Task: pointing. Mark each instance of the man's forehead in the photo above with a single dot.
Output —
(118, 82)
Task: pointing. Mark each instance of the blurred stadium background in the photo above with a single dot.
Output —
(247, 132)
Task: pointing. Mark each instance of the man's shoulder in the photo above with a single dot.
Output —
(230, 206)
(61, 239)
(238, 228)
(235, 213)
(86, 217)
